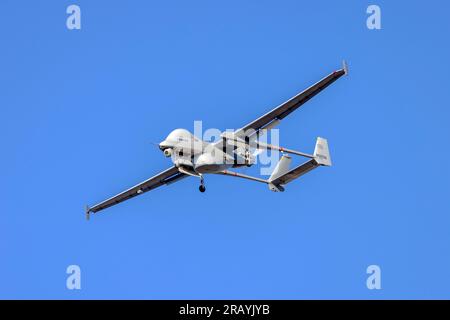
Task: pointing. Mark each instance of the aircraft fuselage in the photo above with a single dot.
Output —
(190, 152)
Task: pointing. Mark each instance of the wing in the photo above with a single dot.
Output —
(166, 177)
(292, 104)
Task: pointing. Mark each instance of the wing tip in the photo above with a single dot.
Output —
(87, 210)
(345, 67)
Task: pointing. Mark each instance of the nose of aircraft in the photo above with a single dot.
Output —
(163, 145)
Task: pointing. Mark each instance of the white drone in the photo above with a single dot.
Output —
(194, 157)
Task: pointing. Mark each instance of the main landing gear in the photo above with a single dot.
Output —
(202, 187)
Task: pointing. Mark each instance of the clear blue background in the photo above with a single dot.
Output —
(79, 110)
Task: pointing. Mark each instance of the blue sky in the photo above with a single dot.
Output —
(79, 110)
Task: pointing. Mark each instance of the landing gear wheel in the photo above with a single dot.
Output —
(202, 188)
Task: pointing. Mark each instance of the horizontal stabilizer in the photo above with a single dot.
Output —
(292, 175)
(281, 176)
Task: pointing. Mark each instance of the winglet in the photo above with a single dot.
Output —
(345, 67)
(88, 212)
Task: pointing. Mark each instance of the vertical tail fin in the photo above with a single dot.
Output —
(322, 153)
(281, 168)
